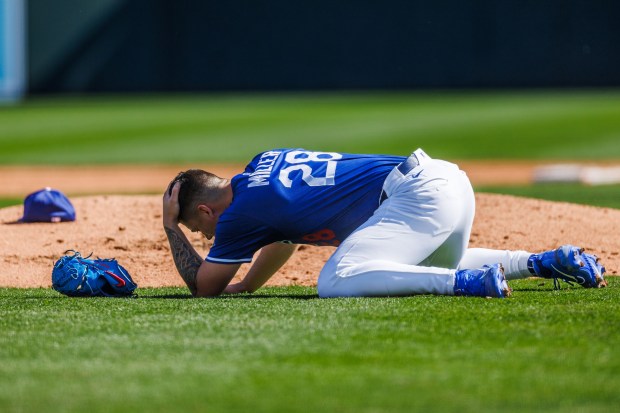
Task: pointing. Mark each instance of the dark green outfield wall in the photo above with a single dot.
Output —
(158, 45)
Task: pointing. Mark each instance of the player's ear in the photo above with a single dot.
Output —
(205, 210)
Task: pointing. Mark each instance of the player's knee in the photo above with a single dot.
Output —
(337, 280)
(328, 281)
(323, 291)
(331, 290)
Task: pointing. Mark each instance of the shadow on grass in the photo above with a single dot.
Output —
(179, 297)
(236, 297)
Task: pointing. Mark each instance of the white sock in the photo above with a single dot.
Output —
(514, 262)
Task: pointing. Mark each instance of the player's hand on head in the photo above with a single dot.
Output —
(171, 206)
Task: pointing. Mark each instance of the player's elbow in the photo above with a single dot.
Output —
(206, 293)
(212, 279)
(205, 290)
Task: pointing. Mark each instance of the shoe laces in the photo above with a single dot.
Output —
(556, 283)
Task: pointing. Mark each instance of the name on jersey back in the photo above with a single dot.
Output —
(260, 175)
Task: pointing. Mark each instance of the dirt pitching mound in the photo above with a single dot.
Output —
(129, 229)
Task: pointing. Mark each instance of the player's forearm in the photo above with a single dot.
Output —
(269, 261)
(185, 257)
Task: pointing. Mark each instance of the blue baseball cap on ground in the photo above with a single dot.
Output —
(48, 205)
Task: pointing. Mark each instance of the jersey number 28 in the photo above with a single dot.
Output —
(299, 162)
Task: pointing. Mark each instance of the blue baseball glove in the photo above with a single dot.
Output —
(78, 276)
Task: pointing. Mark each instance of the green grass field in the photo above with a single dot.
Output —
(283, 349)
(540, 125)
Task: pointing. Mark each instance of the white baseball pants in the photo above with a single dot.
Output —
(416, 239)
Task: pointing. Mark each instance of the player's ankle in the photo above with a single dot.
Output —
(533, 265)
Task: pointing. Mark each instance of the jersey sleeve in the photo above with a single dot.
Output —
(237, 239)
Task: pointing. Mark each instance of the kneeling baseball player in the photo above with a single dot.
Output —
(401, 226)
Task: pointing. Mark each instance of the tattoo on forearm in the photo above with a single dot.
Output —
(184, 258)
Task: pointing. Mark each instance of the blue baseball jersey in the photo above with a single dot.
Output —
(301, 197)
